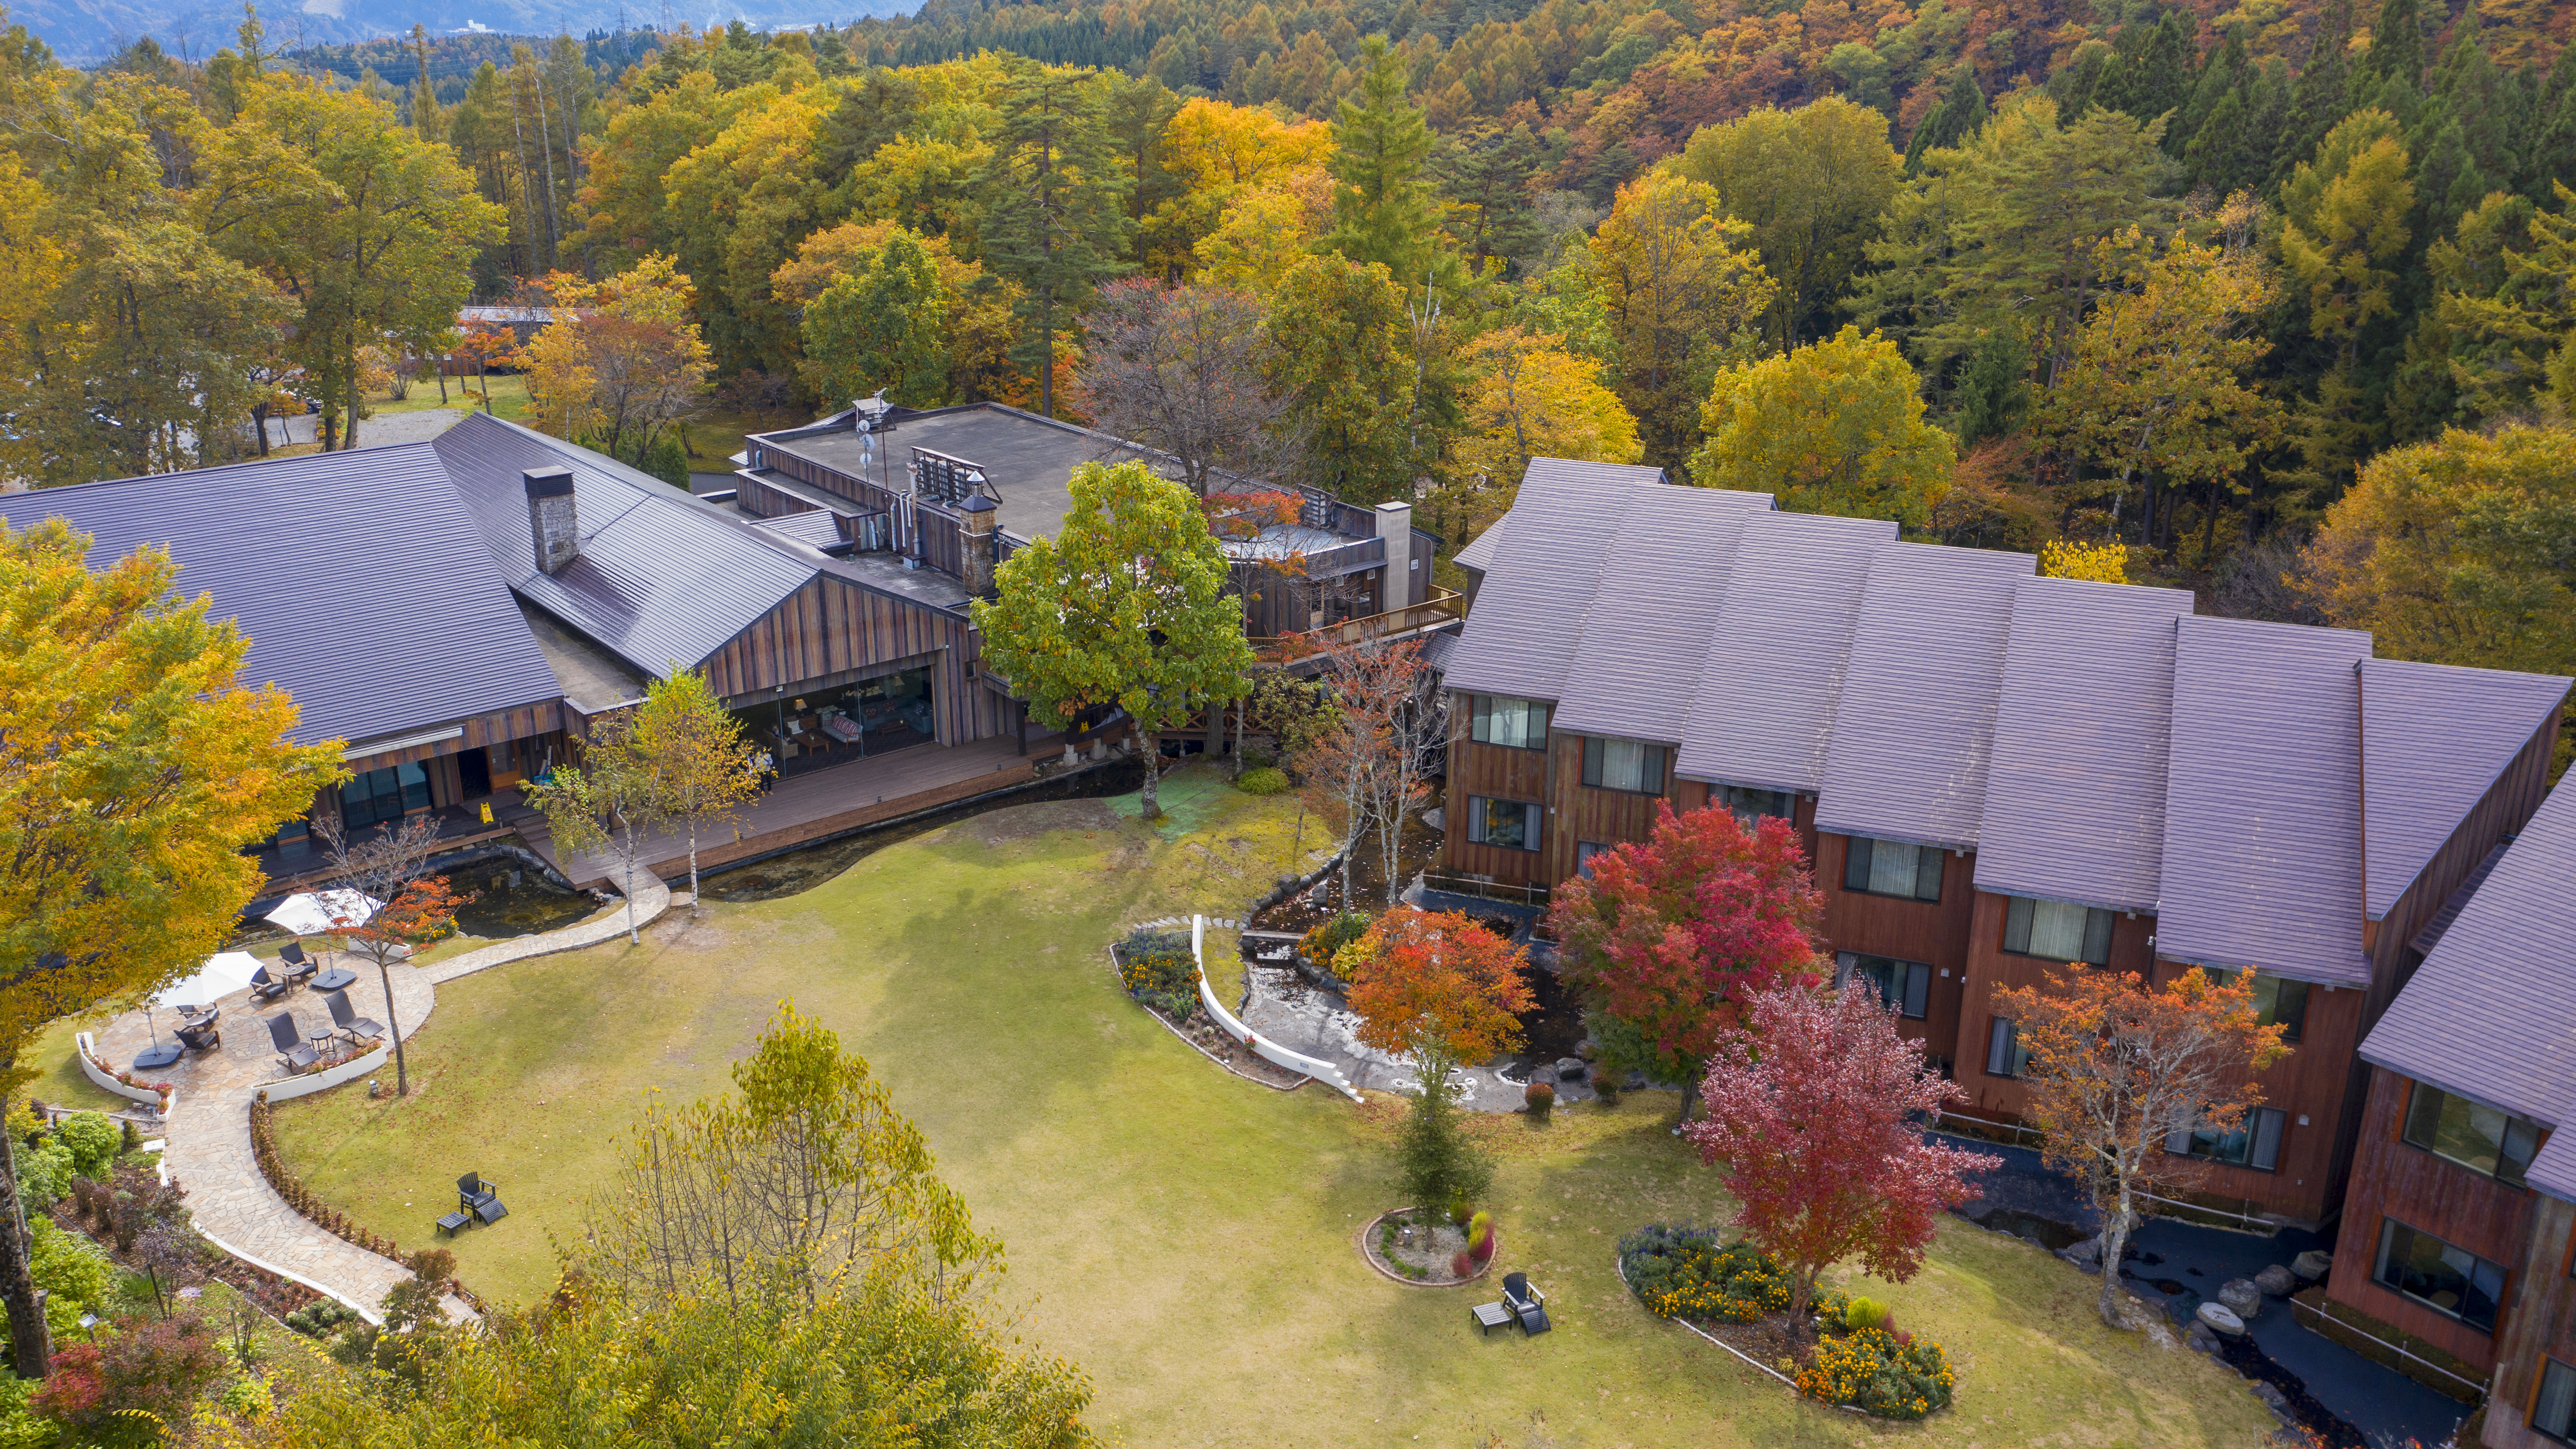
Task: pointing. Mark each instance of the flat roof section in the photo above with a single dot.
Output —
(589, 676)
(1028, 460)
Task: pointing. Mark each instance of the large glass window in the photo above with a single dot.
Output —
(1502, 720)
(1623, 765)
(2058, 930)
(2554, 1412)
(2278, 1001)
(2479, 1138)
(1507, 824)
(2448, 1280)
(2255, 1141)
(2005, 1055)
(1751, 805)
(1893, 868)
(376, 796)
(1904, 987)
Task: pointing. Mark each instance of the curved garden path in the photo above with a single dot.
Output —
(209, 1149)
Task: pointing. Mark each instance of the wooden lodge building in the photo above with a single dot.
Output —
(1994, 774)
(458, 611)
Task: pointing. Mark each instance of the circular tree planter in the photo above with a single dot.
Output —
(1426, 1262)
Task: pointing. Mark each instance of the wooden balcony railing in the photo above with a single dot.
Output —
(1443, 606)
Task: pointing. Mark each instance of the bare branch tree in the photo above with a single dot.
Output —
(1184, 370)
(1363, 749)
(381, 870)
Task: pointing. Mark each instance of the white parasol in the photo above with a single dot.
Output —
(312, 913)
(223, 974)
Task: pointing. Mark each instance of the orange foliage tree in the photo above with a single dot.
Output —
(2116, 1067)
(1443, 990)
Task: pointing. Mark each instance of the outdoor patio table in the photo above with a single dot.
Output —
(159, 1054)
(321, 1038)
(334, 979)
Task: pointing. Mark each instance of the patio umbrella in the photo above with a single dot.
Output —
(223, 974)
(310, 913)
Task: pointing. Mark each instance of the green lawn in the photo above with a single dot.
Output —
(1184, 1235)
(509, 397)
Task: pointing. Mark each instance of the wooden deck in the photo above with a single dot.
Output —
(825, 802)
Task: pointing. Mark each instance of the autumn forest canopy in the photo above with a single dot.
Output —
(2247, 292)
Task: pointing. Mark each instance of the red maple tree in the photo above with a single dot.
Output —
(422, 912)
(1673, 935)
(1813, 1108)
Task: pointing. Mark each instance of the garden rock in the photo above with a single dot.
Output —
(1569, 1069)
(2221, 1320)
(2242, 1298)
(2087, 1251)
(2276, 1281)
(2202, 1339)
(2312, 1265)
(1542, 1076)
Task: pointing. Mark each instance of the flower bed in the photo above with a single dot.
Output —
(1858, 1357)
(1426, 1247)
(1157, 969)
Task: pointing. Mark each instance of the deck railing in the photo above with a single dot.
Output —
(1444, 606)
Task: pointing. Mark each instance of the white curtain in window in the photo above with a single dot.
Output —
(2057, 930)
(1623, 766)
(1893, 867)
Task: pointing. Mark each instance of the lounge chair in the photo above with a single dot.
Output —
(264, 987)
(1526, 1303)
(293, 1053)
(481, 1198)
(298, 965)
(352, 1025)
(200, 1033)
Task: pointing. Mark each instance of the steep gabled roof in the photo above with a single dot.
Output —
(1773, 670)
(1480, 554)
(2435, 738)
(2262, 827)
(363, 589)
(1917, 713)
(661, 577)
(2491, 1014)
(1529, 616)
(1658, 602)
(2075, 789)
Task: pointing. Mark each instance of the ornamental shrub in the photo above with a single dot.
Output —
(1324, 944)
(1872, 1371)
(1864, 1313)
(1688, 1273)
(1461, 1265)
(318, 1319)
(1265, 781)
(247, 1399)
(92, 1140)
(45, 1173)
(1540, 1098)
(1157, 968)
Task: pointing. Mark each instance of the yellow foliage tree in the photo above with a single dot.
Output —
(1678, 281)
(621, 360)
(975, 308)
(1836, 427)
(2103, 563)
(1265, 228)
(1530, 398)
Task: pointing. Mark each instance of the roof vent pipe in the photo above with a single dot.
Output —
(554, 524)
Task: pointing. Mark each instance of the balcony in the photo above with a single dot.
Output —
(1445, 606)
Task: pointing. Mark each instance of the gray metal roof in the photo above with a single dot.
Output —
(661, 577)
(1658, 602)
(2438, 737)
(1479, 554)
(2491, 1014)
(365, 593)
(2262, 837)
(2075, 789)
(1773, 671)
(1917, 714)
(1528, 618)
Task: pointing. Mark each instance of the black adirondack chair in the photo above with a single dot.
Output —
(352, 1025)
(293, 1052)
(479, 1197)
(1526, 1303)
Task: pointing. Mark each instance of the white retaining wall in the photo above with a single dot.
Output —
(1320, 1070)
(86, 1048)
(290, 1088)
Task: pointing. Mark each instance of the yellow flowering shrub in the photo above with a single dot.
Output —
(1890, 1375)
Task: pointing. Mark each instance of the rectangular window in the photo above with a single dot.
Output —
(2554, 1412)
(2255, 1142)
(1500, 719)
(1507, 824)
(1584, 850)
(1892, 868)
(1623, 765)
(2278, 1001)
(2058, 930)
(2450, 1281)
(386, 794)
(1750, 806)
(1904, 987)
(2005, 1055)
(2478, 1138)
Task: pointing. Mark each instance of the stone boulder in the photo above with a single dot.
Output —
(2242, 1298)
(2277, 1281)
(1542, 1074)
(2312, 1265)
(2221, 1320)
(2087, 1251)
(1571, 1069)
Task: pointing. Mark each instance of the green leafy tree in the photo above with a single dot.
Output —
(693, 749)
(606, 803)
(2342, 237)
(1812, 183)
(1384, 211)
(134, 769)
(1125, 605)
(1342, 350)
(1055, 218)
(1994, 390)
(1834, 427)
(2505, 299)
(882, 325)
(1681, 288)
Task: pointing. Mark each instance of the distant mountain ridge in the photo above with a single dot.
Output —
(93, 30)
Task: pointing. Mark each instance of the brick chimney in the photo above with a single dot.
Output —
(978, 545)
(553, 521)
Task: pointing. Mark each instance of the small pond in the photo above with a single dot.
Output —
(512, 900)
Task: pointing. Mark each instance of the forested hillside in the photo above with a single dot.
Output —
(2243, 292)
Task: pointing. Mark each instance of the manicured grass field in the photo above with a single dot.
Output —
(1184, 1235)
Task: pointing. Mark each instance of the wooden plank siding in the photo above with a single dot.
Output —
(1932, 932)
(938, 535)
(474, 733)
(830, 630)
(2393, 1178)
(2538, 1324)
(1499, 772)
(1990, 968)
(1582, 814)
(2308, 1087)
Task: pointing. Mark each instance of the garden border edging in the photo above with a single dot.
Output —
(1315, 1067)
(1167, 1025)
(1371, 1258)
(1785, 1381)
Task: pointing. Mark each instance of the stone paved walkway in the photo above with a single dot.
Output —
(209, 1150)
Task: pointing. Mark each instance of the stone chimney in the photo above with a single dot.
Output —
(977, 544)
(553, 521)
(1404, 582)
